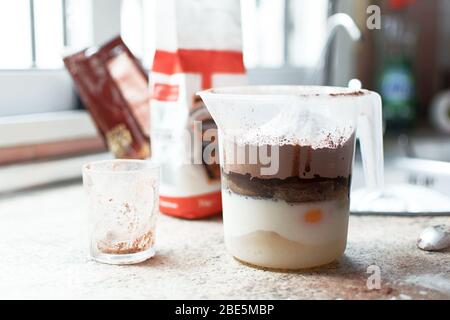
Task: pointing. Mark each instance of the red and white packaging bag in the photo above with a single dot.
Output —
(198, 46)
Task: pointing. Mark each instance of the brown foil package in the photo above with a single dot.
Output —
(114, 87)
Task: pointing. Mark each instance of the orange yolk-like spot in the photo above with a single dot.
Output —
(313, 216)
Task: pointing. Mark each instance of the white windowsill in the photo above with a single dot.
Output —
(27, 175)
(41, 128)
(45, 127)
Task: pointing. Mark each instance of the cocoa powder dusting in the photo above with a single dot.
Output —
(330, 143)
(110, 245)
(139, 244)
(348, 94)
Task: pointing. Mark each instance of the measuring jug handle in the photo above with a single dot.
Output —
(370, 133)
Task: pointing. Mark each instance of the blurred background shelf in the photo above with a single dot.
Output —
(46, 172)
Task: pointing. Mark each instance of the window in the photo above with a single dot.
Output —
(283, 40)
(34, 36)
(282, 34)
(274, 32)
(16, 46)
(37, 98)
(35, 33)
(263, 32)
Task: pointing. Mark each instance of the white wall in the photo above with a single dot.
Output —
(106, 20)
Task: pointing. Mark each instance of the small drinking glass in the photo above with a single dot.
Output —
(123, 207)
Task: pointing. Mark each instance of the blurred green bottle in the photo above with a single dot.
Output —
(396, 80)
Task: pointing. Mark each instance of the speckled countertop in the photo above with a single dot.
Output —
(42, 247)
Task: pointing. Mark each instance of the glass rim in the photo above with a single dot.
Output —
(147, 166)
(284, 92)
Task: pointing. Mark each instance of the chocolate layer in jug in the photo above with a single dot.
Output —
(304, 174)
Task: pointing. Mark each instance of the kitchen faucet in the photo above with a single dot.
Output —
(334, 22)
